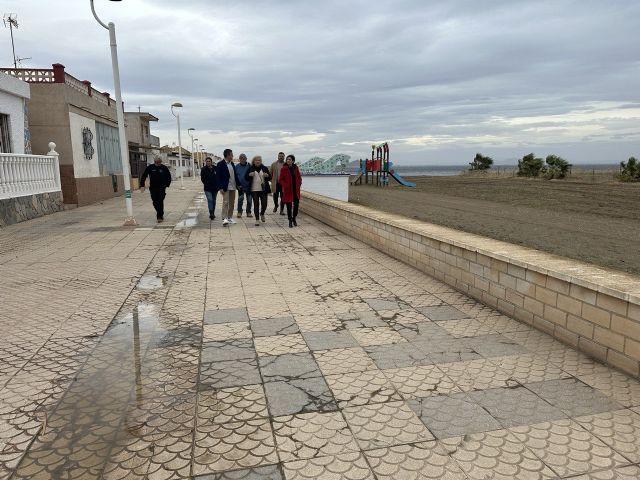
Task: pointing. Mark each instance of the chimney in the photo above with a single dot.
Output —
(58, 73)
(88, 85)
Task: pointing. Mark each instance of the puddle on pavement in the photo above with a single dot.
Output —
(108, 401)
(188, 222)
(151, 282)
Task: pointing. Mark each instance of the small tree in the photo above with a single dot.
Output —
(480, 162)
(630, 170)
(530, 166)
(557, 167)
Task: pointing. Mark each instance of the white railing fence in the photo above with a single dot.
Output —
(22, 175)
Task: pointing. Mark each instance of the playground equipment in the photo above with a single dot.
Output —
(380, 168)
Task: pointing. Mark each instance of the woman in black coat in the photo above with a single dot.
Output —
(258, 178)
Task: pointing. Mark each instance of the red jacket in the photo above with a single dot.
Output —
(286, 182)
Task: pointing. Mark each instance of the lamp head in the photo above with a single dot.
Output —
(176, 104)
(191, 129)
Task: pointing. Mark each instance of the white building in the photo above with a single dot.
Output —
(14, 129)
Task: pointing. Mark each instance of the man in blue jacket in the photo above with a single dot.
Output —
(210, 181)
(244, 189)
(228, 183)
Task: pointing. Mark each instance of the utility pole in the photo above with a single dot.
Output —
(11, 20)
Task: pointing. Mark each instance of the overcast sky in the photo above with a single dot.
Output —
(438, 80)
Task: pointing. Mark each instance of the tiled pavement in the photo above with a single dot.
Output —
(268, 353)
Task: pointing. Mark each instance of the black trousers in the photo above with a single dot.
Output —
(157, 197)
(291, 215)
(259, 203)
(277, 195)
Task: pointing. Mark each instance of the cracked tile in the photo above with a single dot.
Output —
(384, 304)
(573, 397)
(496, 455)
(343, 360)
(494, 345)
(299, 396)
(631, 472)
(280, 344)
(288, 366)
(329, 340)
(310, 435)
(422, 331)
(476, 375)
(421, 381)
(515, 406)
(361, 388)
(453, 415)
(385, 424)
(529, 368)
(398, 355)
(467, 328)
(567, 447)
(347, 466)
(231, 446)
(274, 326)
(226, 331)
(420, 461)
(317, 323)
(376, 336)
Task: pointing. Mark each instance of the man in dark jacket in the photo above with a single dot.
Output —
(210, 182)
(228, 183)
(159, 180)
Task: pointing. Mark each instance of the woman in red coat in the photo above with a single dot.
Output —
(290, 181)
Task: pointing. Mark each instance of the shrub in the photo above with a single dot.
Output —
(480, 162)
(557, 167)
(630, 170)
(530, 166)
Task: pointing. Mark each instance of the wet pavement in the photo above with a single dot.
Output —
(189, 350)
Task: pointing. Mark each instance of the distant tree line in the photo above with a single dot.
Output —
(552, 167)
(480, 162)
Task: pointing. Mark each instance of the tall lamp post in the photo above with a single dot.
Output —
(124, 154)
(193, 161)
(177, 115)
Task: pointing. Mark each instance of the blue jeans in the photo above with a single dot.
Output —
(211, 200)
(241, 194)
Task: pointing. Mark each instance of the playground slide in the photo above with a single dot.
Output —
(401, 180)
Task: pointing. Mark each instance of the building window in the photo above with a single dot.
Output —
(5, 136)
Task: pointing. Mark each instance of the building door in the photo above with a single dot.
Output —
(108, 149)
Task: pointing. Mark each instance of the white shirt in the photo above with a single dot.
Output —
(232, 176)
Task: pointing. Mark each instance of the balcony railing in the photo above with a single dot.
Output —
(22, 175)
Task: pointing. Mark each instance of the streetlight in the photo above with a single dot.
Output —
(177, 115)
(124, 154)
(193, 161)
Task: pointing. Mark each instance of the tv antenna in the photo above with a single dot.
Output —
(10, 21)
(20, 59)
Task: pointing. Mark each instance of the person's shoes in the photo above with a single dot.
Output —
(262, 218)
(225, 222)
(281, 210)
(159, 220)
(231, 220)
(257, 223)
(239, 215)
(295, 224)
(248, 213)
(275, 209)
(290, 223)
(211, 216)
(282, 213)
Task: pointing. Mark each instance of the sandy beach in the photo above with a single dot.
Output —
(592, 221)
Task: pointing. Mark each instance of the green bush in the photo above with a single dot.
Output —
(630, 170)
(530, 166)
(557, 167)
(480, 162)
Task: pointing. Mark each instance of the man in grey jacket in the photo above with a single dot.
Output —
(274, 173)
(244, 189)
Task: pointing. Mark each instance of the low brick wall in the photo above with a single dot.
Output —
(19, 209)
(592, 309)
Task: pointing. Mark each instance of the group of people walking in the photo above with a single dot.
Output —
(251, 182)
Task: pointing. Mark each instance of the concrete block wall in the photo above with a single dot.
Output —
(590, 308)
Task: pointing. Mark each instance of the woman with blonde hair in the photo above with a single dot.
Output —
(258, 178)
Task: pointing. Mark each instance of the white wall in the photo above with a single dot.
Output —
(332, 186)
(83, 168)
(13, 93)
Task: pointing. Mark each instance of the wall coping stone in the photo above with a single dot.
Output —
(611, 282)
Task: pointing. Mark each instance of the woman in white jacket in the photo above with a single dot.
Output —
(258, 177)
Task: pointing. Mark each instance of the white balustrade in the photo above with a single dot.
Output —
(22, 175)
